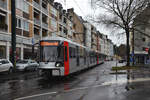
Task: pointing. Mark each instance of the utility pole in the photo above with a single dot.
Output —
(133, 47)
(13, 29)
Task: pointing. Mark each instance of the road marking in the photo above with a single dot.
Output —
(83, 88)
(37, 95)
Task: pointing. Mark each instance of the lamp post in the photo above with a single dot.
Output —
(13, 29)
(133, 47)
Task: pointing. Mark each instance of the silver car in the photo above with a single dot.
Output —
(25, 65)
(6, 66)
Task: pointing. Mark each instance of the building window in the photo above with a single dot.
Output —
(53, 11)
(2, 52)
(143, 39)
(19, 4)
(25, 7)
(60, 28)
(65, 31)
(26, 25)
(54, 24)
(60, 17)
(22, 5)
(65, 20)
(18, 23)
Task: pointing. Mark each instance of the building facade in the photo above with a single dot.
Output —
(88, 34)
(36, 19)
(94, 38)
(78, 27)
(141, 39)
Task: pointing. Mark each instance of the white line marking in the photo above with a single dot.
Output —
(37, 95)
(82, 88)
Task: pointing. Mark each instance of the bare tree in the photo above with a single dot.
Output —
(120, 14)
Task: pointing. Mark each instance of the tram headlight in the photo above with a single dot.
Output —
(58, 64)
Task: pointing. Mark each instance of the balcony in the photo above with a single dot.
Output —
(45, 25)
(45, 11)
(3, 27)
(37, 37)
(35, 4)
(37, 22)
(3, 4)
(5, 37)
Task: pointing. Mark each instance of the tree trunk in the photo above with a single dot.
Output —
(128, 47)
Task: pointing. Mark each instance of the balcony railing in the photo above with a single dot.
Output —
(45, 11)
(37, 22)
(45, 25)
(35, 4)
(37, 37)
(19, 39)
(3, 4)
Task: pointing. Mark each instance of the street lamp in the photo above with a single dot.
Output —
(13, 29)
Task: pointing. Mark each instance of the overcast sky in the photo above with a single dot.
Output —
(83, 8)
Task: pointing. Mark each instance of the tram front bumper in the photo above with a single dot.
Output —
(54, 71)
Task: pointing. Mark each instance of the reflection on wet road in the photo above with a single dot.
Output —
(93, 84)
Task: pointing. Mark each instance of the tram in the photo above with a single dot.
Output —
(62, 57)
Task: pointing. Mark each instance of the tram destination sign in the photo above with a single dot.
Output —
(49, 43)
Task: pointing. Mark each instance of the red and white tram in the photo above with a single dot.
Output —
(61, 57)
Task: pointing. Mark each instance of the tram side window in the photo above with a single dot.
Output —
(78, 56)
(61, 52)
(85, 56)
(70, 52)
(74, 52)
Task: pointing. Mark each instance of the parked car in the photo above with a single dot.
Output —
(6, 66)
(26, 65)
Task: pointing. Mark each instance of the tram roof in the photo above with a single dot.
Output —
(63, 39)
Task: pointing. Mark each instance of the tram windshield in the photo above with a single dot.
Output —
(51, 53)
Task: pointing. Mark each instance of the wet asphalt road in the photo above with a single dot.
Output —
(93, 84)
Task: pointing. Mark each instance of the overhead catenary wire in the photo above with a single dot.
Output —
(79, 7)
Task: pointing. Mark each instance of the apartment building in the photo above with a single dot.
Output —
(65, 22)
(88, 34)
(141, 37)
(78, 27)
(98, 42)
(110, 49)
(93, 38)
(4, 27)
(35, 19)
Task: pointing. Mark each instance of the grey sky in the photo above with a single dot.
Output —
(83, 8)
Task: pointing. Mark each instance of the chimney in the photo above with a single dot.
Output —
(60, 8)
(56, 5)
(64, 12)
(70, 10)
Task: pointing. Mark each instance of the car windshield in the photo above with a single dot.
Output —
(22, 62)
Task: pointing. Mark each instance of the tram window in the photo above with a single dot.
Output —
(66, 59)
(70, 52)
(75, 52)
(61, 52)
